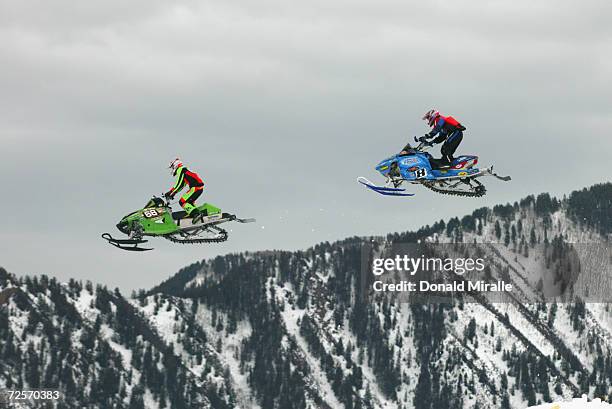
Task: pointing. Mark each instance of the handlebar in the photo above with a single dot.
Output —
(166, 201)
(423, 144)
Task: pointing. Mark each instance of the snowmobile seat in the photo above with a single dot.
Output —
(438, 163)
(464, 161)
(181, 214)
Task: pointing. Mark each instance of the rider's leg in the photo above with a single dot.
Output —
(186, 205)
(450, 145)
(189, 198)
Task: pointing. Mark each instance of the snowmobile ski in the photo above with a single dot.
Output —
(383, 190)
(126, 244)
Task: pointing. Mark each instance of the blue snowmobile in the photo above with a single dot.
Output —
(415, 165)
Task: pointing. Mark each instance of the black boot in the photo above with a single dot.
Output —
(447, 160)
(195, 213)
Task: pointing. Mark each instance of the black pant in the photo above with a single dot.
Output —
(191, 196)
(451, 144)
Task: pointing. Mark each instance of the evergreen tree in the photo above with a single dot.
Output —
(422, 393)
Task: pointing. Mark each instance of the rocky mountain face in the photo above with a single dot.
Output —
(305, 329)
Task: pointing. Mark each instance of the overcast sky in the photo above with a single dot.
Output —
(280, 106)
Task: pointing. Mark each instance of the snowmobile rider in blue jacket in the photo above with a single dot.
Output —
(447, 129)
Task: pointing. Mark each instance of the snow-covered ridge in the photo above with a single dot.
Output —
(582, 403)
(498, 354)
(294, 330)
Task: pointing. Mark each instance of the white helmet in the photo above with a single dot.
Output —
(431, 116)
(175, 165)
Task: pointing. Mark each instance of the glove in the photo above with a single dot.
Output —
(422, 139)
(168, 196)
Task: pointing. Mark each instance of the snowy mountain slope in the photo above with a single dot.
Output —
(511, 355)
(92, 345)
(581, 403)
(302, 329)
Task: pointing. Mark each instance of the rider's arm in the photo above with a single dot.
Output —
(180, 182)
(440, 138)
(435, 130)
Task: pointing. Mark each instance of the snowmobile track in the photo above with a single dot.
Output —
(220, 239)
(481, 192)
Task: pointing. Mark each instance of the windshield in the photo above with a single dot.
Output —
(155, 202)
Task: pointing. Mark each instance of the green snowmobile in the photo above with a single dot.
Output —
(158, 220)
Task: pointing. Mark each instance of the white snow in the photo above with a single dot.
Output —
(83, 305)
(230, 357)
(149, 400)
(290, 318)
(126, 355)
(575, 404)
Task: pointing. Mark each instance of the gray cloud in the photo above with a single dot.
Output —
(280, 106)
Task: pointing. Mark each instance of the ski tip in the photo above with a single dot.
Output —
(251, 220)
(363, 181)
(108, 237)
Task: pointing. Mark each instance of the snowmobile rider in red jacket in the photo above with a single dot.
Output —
(185, 177)
(447, 129)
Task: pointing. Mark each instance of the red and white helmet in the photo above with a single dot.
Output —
(175, 165)
(431, 116)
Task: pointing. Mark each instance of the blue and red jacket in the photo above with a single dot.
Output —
(444, 126)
